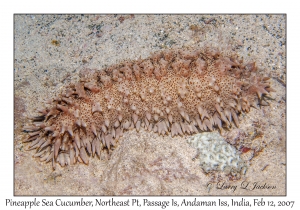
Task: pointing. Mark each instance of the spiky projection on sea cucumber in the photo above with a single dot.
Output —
(176, 92)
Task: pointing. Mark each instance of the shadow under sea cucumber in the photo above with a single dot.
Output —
(177, 92)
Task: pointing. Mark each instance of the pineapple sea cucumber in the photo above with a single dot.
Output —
(176, 92)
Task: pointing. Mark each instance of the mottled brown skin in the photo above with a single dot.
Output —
(176, 91)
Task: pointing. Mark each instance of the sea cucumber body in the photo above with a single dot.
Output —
(176, 91)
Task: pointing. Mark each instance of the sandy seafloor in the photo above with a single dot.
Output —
(50, 50)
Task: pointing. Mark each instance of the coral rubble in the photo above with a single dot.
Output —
(216, 154)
